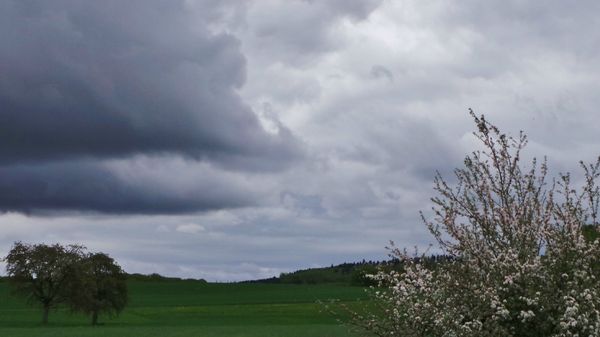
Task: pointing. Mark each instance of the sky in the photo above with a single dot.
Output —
(234, 140)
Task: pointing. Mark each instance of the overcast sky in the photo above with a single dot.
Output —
(234, 140)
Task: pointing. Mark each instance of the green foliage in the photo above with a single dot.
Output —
(361, 275)
(101, 287)
(345, 273)
(51, 275)
(317, 276)
(42, 273)
(590, 232)
(354, 274)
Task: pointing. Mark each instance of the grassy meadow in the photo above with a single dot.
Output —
(191, 308)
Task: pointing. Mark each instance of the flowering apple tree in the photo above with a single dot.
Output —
(518, 263)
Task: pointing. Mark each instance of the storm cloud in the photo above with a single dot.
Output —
(86, 82)
(142, 187)
(89, 79)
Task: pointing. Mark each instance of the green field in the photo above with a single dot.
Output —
(185, 308)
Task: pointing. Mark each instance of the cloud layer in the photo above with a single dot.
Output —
(86, 82)
(239, 139)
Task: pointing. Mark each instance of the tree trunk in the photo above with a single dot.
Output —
(45, 315)
(95, 317)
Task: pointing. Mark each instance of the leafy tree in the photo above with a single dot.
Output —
(43, 273)
(522, 253)
(101, 287)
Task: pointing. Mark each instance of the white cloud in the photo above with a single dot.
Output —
(190, 228)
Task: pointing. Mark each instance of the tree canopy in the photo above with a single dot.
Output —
(54, 275)
(102, 287)
(42, 273)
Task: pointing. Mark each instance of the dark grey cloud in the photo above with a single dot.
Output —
(83, 83)
(119, 188)
(112, 79)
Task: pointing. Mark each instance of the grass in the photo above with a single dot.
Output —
(186, 331)
(185, 308)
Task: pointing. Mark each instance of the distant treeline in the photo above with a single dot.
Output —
(354, 273)
(350, 273)
(144, 278)
(154, 277)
